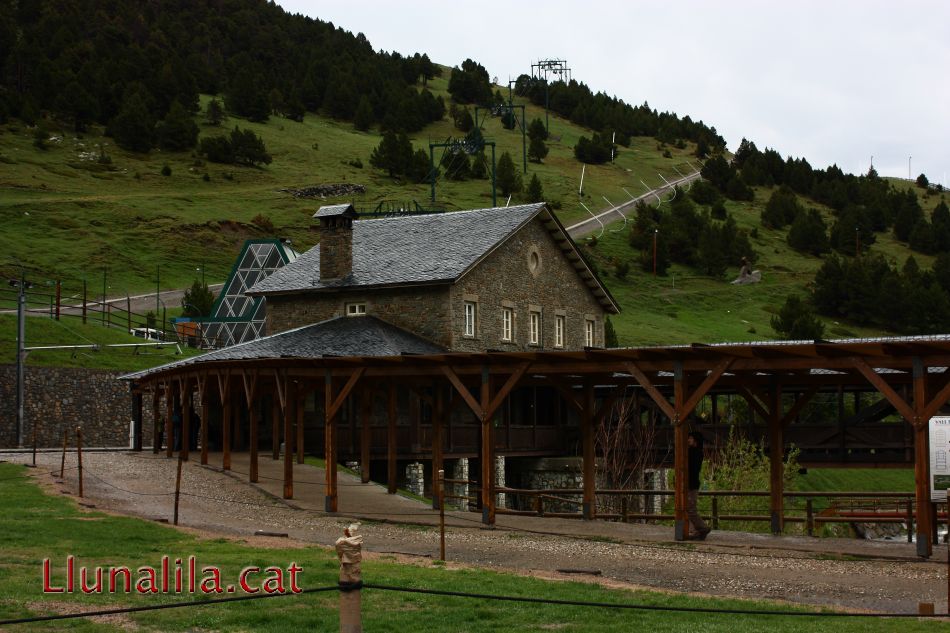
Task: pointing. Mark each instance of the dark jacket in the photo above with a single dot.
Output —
(695, 464)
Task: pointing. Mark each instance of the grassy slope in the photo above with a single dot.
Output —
(66, 217)
(43, 526)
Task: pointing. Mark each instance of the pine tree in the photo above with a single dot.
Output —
(214, 112)
(534, 193)
(610, 335)
(177, 131)
(393, 154)
(537, 150)
(808, 233)
(536, 130)
(364, 115)
(133, 127)
(507, 177)
(797, 321)
(198, 300)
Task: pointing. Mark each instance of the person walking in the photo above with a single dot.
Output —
(694, 444)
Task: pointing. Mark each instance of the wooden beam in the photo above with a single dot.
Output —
(253, 415)
(803, 399)
(566, 392)
(226, 421)
(275, 425)
(205, 412)
(652, 391)
(704, 387)
(753, 402)
(184, 387)
(169, 410)
(464, 392)
(885, 389)
(936, 402)
(333, 408)
(506, 388)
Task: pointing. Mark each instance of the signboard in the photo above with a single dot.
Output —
(939, 457)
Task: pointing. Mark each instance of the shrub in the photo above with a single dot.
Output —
(263, 222)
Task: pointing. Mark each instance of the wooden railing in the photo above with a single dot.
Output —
(864, 507)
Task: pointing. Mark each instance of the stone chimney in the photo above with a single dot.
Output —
(336, 240)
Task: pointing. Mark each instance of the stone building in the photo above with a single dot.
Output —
(506, 278)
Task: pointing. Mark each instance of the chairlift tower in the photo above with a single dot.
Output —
(469, 145)
(550, 68)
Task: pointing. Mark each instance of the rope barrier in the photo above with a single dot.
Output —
(348, 587)
(157, 607)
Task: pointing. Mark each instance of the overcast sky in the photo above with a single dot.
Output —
(830, 81)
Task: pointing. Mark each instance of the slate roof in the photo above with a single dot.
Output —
(411, 249)
(333, 210)
(339, 336)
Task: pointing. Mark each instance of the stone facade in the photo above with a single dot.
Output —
(64, 398)
(527, 273)
(560, 473)
(422, 310)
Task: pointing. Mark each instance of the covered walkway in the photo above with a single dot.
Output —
(776, 379)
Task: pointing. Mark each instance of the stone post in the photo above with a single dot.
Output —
(349, 549)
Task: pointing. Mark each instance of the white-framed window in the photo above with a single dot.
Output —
(559, 331)
(355, 309)
(534, 328)
(471, 313)
(507, 323)
(589, 333)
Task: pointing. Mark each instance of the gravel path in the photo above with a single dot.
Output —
(793, 569)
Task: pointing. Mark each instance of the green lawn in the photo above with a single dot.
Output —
(856, 480)
(37, 526)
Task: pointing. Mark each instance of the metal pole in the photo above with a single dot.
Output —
(655, 232)
(177, 487)
(104, 296)
(83, 301)
(442, 521)
(34, 445)
(432, 170)
(79, 456)
(494, 202)
(59, 297)
(20, 358)
(158, 283)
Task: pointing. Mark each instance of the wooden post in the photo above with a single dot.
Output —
(169, 409)
(253, 413)
(487, 457)
(186, 402)
(178, 487)
(59, 296)
(203, 393)
(810, 517)
(301, 402)
(349, 549)
(921, 460)
(83, 301)
(35, 422)
(391, 442)
(680, 457)
(366, 403)
(128, 311)
(776, 469)
(275, 424)
(62, 464)
(438, 415)
(224, 389)
(587, 441)
(290, 395)
(329, 446)
(156, 423)
(715, 513)
(441, 497)
(79, 456)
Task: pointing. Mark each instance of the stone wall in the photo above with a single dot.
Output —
(422, 310)
(529, 272)
(57, 398)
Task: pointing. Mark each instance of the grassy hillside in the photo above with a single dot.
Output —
(67, 215)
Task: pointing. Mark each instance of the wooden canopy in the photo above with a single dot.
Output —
(910, 372)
